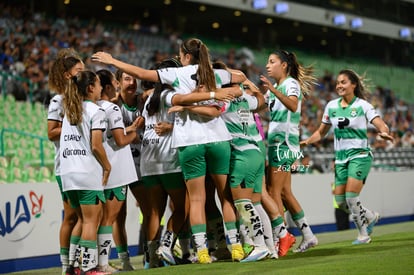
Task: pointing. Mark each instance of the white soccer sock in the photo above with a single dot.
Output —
(89, 258)
(252, 220)
(104, 244)
(267, 227)
(358, 215)
(304, 226)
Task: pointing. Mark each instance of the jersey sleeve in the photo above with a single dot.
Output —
(168, 75)
(223, 77)
(325, 117)
(293, 89)
(114, 116)
(370, 112)
(98, 120)
(55, 110)
(168, 98)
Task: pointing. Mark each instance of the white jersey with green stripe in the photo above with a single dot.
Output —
(350, 127)
(284, 124)
(239, 121)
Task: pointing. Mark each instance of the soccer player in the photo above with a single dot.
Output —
(130, 103)
(349, 115)
(67, 64)
(116, 144)
(85, 167)
(161, 171)
(284, 101)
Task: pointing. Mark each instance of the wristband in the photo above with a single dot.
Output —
(212, 95)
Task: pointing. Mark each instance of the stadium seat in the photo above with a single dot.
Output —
(4, 162)
(3, 175)
(44, 175)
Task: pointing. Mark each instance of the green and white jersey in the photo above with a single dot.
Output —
(191, 129)
(157, 155)
(129, 114)
(79, 168)
(123, 167)
(55, 112)
(239, 121)
(284, 124)
(350, 127)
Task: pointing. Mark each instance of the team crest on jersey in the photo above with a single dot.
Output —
(353, 112)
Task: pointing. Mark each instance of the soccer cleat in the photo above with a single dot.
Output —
(237, 252)
(108, 269)
(164, 253)
(285, 244)
(374, 221)
(247, 248)
(203, 256)
(93, 271)
(273, 255)
(306, 244)
(362, 241)
(258, 253)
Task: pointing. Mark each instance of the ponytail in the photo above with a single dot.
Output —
(200, 55)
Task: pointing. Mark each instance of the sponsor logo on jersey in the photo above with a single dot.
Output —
(73, 152)
(72, 137)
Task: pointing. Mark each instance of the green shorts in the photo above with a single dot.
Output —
(246, 169)
(119, 193)
(357, 168)
(85, 197)
(197, 160)
(167, 181)
(64, 195)
(281, 156)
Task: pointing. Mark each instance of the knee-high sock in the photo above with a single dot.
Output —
(249, 217)
(267, 227)
(302, 224)
(358, 213)
(104, 244)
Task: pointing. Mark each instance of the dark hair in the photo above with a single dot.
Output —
(304, 75)
(76, 91)
(200, 55)
(153, 106)
(360, 87)
(105, 77)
